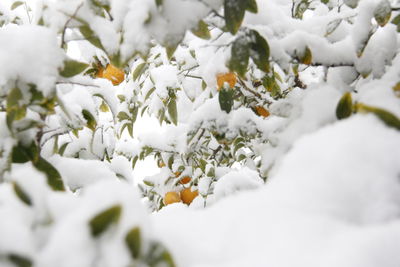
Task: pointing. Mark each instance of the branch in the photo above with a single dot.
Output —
(257, 94)
(76, 83)
(66, 24)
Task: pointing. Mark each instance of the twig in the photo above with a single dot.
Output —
(82, 84)
(257, 94)
(27, 13)
(66, 24)
(216, 151)
(193, 76)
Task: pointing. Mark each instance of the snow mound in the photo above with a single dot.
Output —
(21, 64)
(334, 201)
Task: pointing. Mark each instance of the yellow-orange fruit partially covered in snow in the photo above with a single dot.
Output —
(171, 197)
(261, 111)
(185, 180)
(229, 77)
(111, 73)
(187, 195)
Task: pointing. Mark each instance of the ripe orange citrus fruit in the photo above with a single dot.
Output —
(171, 197)
(111, 73)
(261, 111)
(185, 180)
(187, 195)
(229, 78)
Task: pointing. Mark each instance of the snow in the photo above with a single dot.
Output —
(235, 181)
(312, 191)
(71, 171)
(20, 64)
(316, 210)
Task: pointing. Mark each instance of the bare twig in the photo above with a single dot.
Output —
(75, 83)
(67, 22)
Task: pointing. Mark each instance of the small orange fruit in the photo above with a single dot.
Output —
(171, 197)
(229, 77)
(185, 180)
(187, 195)
(111, 73)
(160, 163)
(261, 111)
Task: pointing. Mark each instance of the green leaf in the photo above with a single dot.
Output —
(306, 56)
(159, 2)
(22, 154)
(172, 111)
(226, 99)
(234, 13)
(54, 179)
(157, 254)
(252, 6)
(170, 162)
(15, 110)
(149, 93)
(102, 221)
(301, 8)
(201, 30)
(104, 107)
(170, 49)
(90, 120)
(148, 183)
(135, 112)
(240, 53)
(133, 240)
(396, 21)
(121, 98)
(134, 160)
(62, 148)
(344, 107)
(130, 129)
(72, 68)
(122, 115)
(382, 12)
(19, 261)
(259, 51)
(90, 36)
(19, 154)
(351, 3)
(139, 70)
(22, 195)
(16, 4)
(387, 117)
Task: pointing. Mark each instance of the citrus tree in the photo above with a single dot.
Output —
(232, 83)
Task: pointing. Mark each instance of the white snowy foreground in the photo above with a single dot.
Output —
(334, 200)
(336, 206)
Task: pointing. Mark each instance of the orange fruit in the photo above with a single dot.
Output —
(229, 77)
(111, 73)
(160, 164)
(261, 111)
(171, 197)
(185, 180)
(187, 195)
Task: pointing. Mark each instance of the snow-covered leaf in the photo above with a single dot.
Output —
(240, 53)
(344, 107)
(72, 68)
(102, 221)
(234, 13)
(133, 240)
